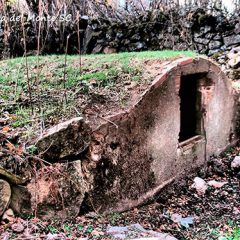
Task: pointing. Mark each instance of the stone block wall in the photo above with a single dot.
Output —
(196, 29)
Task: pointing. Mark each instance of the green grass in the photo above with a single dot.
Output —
(166, 54)
(13, 71)
(100, 73)
(102, 67)
(233, 235)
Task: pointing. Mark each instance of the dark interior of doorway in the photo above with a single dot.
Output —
(189, 107)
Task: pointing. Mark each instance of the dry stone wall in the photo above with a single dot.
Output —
(198, 30)
(207, 33)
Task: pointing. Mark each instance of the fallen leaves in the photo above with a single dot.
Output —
(183, 213)
(216, 184)
(201, 185)
(5, 129)
(10, 147)
(17, 227)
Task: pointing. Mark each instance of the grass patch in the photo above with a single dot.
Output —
(102, 76)
(231, 235)
(100, 67)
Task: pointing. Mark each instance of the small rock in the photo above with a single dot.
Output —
(213, 45)
(137, 46)
(176, 217)
(224, 193)
(84, 17)
(235, 50)
(234, 62)
(8, 216)
(5, 236)
(113, 230)
(137, 227)
(17, 227)
(117, 232)
(201, 41)
(109, 50)
(236, 211)
(221, 61)
(64, 140)
(137, 230)
(160, 236)
(200, 185)
(232, 40)
(235, 164)
(216, 184)
(51, 236)
(5, 195)
(91, 215)
(185, 222)
(95, 233)
(164, 236)
(212, 52)
(97, 49)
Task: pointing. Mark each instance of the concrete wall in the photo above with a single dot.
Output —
(143, 154)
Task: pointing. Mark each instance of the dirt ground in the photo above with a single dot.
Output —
(216, 215)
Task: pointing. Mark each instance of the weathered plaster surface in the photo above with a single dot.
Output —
(134, 154)
(143, 152)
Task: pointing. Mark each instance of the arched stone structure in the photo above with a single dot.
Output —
(144, 150)
(185, 116)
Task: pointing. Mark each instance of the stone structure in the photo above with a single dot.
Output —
(178, 29)
(206, 33)
(177, 124)
(180, 121)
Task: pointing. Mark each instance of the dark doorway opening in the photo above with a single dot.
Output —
(189, 107)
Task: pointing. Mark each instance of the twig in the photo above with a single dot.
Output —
(79, 114)
(79, 42)
(38, 39)
(35, 192)
(93, 207)
(40, 9)
(107, 120)
(38, 159)
(51, 26)
(143, 8)
(9, 104)
(26, 62)
(17, 77)
(65, 69)
(42, 153)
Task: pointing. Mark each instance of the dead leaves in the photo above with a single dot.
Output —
(8, 134)
(5, 129)
(15, 150)
(10, 147)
